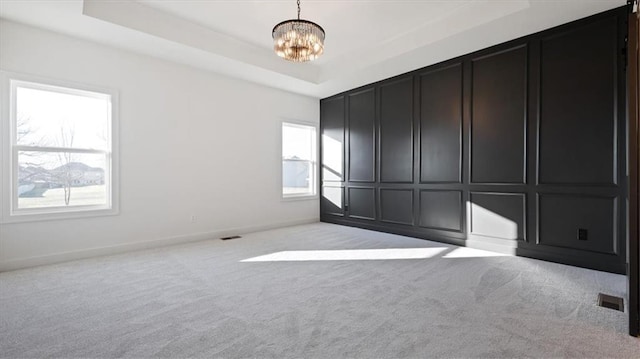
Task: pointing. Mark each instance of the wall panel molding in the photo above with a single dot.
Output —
(362, 136)
(498, 215)
(332, 133)
(362, 202)
(332, 200)
(441, 125)
(517, 148)
(572, 104)
(396, 206)
(562, 216)
(396, 131)
(441, 210)
(498, 124)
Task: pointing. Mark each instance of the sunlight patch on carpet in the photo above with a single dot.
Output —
(464, 252)
(349, 255)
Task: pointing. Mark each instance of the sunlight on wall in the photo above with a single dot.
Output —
(464, 252)
(487, 223)
(333, 195)
(349, 255)
(331, 159)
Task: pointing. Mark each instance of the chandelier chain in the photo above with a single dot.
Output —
(298, 9)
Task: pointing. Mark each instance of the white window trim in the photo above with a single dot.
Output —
(8, 168)
(301, 197)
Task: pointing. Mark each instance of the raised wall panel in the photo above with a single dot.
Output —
(499, 105)
(396, 206)
(515, 148)
(362, 203)
(332, 201)
(498, 215)
(396, 131)
(441, 125)
(561, 216)
(362, 136)
(577, 105)
(441, 210)
(332, 137)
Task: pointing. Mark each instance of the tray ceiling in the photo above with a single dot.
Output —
(366, 40)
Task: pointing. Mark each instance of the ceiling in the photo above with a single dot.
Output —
(366, 41)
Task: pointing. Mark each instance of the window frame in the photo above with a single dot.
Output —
(314, 161)
(10, 213)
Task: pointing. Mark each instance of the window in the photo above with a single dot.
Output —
(298, 160)
(60, 152)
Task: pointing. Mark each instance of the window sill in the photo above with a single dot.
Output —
(53, 216)
(299, 198)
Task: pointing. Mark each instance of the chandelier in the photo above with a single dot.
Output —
(298, 40)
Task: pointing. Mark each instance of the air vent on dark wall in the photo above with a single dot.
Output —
(230, 237)
(611, 302)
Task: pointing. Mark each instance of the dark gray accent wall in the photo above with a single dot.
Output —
(396, 206)
(499, 116)
(497, 215)
(396, 131)
(562, 215)
(331, 168)
(363, 203)
(520, 147)
(441, 209)
(578, 95)
(441, 125)
(361, 132)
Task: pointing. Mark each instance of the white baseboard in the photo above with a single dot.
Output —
(129, 247)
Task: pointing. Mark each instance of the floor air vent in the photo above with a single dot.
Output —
(230, 237)
(611, 302)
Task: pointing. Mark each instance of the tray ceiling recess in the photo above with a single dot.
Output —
(366, 41)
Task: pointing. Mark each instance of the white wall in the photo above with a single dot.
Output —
(191, 143)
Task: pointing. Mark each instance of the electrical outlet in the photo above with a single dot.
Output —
(583, 234)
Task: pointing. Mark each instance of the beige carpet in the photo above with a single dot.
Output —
(313, 291)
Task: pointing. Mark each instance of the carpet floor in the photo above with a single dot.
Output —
(311, 291)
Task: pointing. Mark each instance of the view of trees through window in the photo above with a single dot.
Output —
(298, 160)
(62, 146)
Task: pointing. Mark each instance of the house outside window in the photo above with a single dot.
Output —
(59, 150)
(299, 162)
